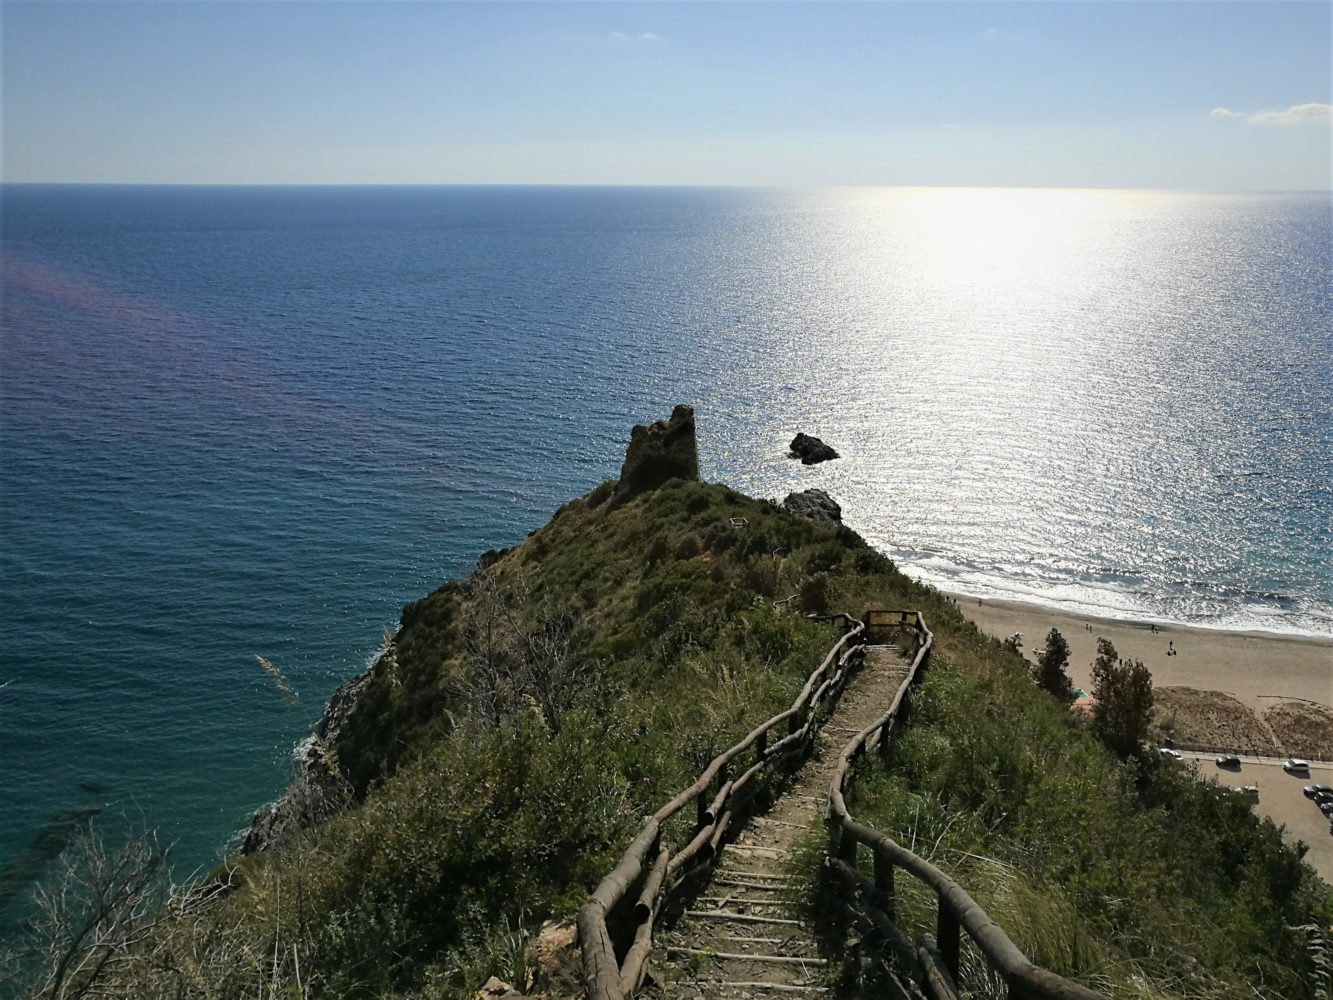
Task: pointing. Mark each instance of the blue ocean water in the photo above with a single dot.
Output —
(240, 422)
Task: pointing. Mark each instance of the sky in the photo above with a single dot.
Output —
(1202, 95)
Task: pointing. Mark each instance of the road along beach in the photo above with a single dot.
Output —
(1269, 677)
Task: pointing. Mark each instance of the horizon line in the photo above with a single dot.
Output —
(657, 186)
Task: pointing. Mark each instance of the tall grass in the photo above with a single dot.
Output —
(1131, 878)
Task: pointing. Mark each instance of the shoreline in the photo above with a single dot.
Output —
(1100, 612)
(1260, 668)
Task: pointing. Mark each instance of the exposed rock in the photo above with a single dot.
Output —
(657, 453)
(314, 794)
(556, 960)
(814, 504)
(811, 450)
(496, 989)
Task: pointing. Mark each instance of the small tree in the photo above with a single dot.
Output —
(1051, 667)
(1123, 693)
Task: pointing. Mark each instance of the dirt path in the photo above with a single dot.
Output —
(740, 936)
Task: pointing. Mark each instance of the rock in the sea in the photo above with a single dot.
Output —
(811, 450)
(814, 504)
(659, 452)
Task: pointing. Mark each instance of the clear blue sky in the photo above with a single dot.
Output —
(1135, 94)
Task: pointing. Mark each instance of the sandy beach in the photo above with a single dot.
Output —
(1258, 668)
(1261, 671)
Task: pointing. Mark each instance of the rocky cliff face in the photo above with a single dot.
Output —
(315, 792)
(814, 504)
(658, 452)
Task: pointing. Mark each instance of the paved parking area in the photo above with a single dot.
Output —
(1281, 799)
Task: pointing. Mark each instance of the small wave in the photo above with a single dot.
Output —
(1131, 599)
(301, 750)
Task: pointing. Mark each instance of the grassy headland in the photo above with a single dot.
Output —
(508, 741)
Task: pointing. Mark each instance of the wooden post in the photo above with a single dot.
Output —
(884, 883)
(884, 732)
(947, 932)
(847, 848)
(761, 745)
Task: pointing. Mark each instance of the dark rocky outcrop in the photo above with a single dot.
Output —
(659, 452)
(814, 504)
(314, 794)
(811, 450)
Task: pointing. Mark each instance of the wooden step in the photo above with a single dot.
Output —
(744, 918)
(737, 873)
(718, 985)
(749, 884)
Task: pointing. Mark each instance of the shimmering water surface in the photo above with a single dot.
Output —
(241, 422)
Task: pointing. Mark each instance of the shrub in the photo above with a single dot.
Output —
(1051, 667)
(1123, 693)
(814, 598)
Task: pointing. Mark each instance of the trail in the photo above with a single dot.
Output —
(741, 935)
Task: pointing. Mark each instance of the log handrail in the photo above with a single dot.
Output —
(605, 977)
(958, 911)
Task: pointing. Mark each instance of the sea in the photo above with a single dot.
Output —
(254, 422)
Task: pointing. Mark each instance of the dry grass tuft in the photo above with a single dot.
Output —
(1207, 720)
(280, 681)
(1305, 729)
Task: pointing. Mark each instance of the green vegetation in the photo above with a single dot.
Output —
(1053, 668)
(523, 721)
(1122, 690)
(1130, 876)
(507, 746)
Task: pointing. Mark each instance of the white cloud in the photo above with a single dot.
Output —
(642, 38)
(1297, 114)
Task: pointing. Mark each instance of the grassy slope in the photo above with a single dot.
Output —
(1136, 878)
(474, 830)
(464, 832)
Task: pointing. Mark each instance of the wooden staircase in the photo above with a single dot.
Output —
(740, 936)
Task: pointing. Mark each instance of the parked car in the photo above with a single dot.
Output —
(1322, 796)
(1322, 788)
(1326, 807)
(1171, 754)
(1228, 760)
(1293, 764)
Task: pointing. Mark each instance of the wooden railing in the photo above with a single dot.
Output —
(932, 961)
(605, 976)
